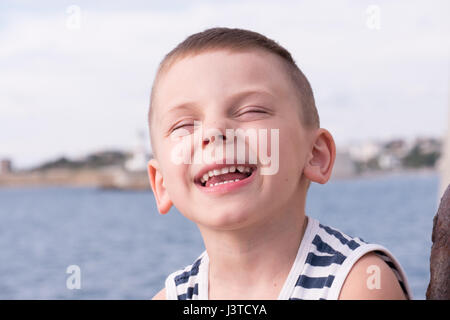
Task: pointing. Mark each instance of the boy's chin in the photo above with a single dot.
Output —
(226, 219)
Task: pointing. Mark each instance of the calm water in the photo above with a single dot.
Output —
(125, 249)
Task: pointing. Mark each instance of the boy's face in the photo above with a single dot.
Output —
(229, 90)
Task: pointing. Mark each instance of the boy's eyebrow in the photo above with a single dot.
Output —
(181, 106)
(234, 97)
(248, 92)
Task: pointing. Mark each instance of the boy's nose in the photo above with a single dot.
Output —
(214, 130)
(212, 138)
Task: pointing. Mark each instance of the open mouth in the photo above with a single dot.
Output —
(225, 175)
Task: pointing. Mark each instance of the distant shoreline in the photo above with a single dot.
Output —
(106, 178)
(118, 179)
(388, 173)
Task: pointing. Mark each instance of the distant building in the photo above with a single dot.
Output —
(389, 161)
(397, 148)
(391, 154)
(5, 166)
(138, 161)
(364, 151)
(139, 157)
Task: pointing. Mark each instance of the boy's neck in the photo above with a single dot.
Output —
(255, 259)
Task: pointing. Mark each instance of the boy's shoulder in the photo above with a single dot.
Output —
(351, 263)
(371, 278)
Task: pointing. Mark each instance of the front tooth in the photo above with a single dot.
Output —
(211, 173)
(224, 170)
(240, 168)
(217, 172)
(205, 177)
(232, 169)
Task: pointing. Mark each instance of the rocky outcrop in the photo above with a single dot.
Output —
(439, 286)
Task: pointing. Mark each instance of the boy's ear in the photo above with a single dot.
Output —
(159, 190)
(321, 158)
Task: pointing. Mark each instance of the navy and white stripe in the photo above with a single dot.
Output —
(324, 259)
(184, 278)
(184, 284)
(327, 252)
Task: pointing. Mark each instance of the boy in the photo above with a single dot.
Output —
(259, 242)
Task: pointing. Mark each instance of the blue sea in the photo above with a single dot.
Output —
(125, 249)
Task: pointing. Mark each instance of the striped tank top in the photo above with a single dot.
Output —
(324, 259)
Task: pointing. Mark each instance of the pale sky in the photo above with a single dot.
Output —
(68, 91)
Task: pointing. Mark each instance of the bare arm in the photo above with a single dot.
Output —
(160, 295)
(361, 282)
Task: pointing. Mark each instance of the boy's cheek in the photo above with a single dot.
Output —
(291, 162)
(178, 151)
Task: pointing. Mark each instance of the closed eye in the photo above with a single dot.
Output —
(182, 126)
(182, 129)
(252, 113)
(255, 111)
